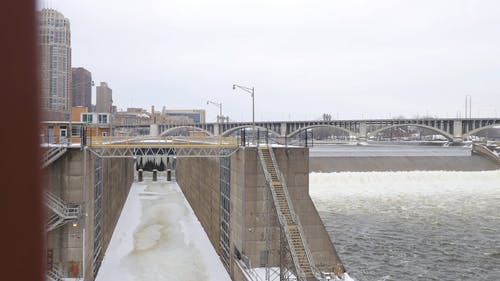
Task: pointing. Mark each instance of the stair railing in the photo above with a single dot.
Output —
(300, 272)
(295, 217)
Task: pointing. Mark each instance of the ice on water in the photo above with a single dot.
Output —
(159, 238)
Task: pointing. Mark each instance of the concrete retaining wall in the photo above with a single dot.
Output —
(252, 213)
(198, 179)
(118, 175)
(403, 163)
(69, 180)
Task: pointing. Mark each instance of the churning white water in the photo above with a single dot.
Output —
(413, 225)
(159, 238)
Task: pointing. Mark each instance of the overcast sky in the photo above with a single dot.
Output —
(349, 58)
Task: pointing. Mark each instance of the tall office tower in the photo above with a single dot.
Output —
(55, 48)
(81, 90)
(104, 98)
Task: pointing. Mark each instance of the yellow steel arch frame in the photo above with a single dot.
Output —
(120, 147)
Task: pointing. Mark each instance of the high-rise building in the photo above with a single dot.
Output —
(55, 48)
(81, 90)
(104, 98)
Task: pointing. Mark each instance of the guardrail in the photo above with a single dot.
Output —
(295, 217)
(147, 141)
(54, 274)
(53, 150)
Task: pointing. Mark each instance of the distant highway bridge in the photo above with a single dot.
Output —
(454, 129)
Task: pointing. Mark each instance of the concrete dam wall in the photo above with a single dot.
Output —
(402, 163)
(98, 188)
(231, 198)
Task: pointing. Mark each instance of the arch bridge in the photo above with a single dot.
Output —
(455, 129)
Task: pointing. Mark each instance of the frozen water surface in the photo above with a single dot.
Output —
(158, 237)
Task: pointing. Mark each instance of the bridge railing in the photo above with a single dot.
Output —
(118, 141)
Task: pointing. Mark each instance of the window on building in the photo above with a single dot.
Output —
(75, 131)
(87, 118)
(62, 131)
(103, 118)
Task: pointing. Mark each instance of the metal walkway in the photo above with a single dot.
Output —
(118, 147)
(52, 154)
(289, 221)
(54, 274)
(62, 212)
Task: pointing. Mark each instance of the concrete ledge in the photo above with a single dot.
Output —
(403, 163)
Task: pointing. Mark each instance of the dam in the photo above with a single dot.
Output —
(252, 202)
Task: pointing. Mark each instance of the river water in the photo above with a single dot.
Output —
(413, 225)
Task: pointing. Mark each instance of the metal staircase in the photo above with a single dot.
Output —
(62, 212)
(54, 274)
(52, 154)
(289, 221)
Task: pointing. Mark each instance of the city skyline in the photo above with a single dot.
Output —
(350, 60)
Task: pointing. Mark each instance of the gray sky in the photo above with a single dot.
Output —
(349, 58)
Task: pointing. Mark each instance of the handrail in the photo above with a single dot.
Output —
(299, 226)
(251, 272)
(62, 209)
(300, 272)
(52, 154)
(54, 274)
(62, 212)
(54, 222)
(161, 141)
(290, 210)
(295, 217)
(281, 217)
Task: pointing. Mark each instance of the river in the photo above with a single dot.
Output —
(412, 225)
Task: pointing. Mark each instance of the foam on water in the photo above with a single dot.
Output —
(413, 225)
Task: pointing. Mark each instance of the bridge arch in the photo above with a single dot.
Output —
(351, 133)
(439, 131)
(232, 130)
(166, 132)
(477, 130)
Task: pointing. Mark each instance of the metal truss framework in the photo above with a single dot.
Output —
(175, 151)
(120, 147)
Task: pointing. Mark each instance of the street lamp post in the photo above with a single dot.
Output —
(251, 91)
(219, 104)
(219, 118)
